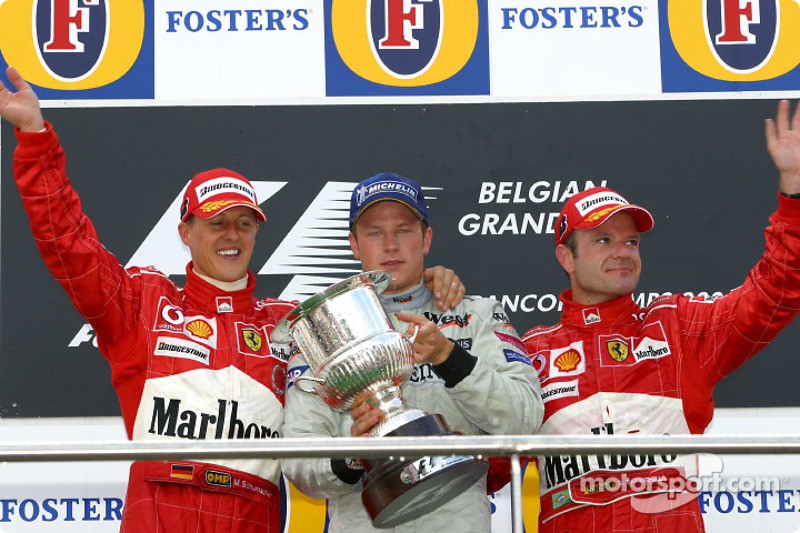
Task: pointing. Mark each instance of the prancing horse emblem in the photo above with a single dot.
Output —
(617, 349)
(252, 339)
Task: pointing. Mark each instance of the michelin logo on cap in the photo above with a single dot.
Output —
(364, 193)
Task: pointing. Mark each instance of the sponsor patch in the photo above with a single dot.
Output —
(171, 318)
(293, 373)
(223, 185)
(464, 343)
(617, 349)
(182, 348)
(224, 304)
(591, 315)
(282, 351)
(539, 362)
(500, 317)
(181, 471)
(563, 389)
(650, 349)
(251, 340)
(279, 378)
(512, 356)
(569, 361)
(424, 373)
(512, 340)
(217, 479)
(454, 320)
(200, 328)
(651, 343)
(600, 199)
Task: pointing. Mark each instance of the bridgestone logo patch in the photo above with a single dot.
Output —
(560, 390)
(185, 349)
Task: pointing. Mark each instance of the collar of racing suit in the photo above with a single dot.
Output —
(212, 299)
(619, 310)
(413, 298)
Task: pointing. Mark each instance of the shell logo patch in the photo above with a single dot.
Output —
(200, 328)
(568, 361)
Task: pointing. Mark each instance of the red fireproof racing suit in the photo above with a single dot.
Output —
(620, 368)
(191, 363)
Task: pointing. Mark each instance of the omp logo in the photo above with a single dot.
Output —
(218, 479)
(405, 44)
(732, 40)
(315, 252)
(72, 44)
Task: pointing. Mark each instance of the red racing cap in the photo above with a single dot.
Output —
(592, 207)
(214, 191)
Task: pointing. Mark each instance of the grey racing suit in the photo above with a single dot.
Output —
(486, 386)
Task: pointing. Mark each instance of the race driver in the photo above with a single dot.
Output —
(469, 367)
(612, 367)
(187, 363)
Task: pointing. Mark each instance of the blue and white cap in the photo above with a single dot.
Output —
(387, 186)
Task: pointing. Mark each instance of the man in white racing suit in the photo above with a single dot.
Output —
(471, 366)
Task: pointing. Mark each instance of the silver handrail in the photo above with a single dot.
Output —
(484, 445)
(515, 446)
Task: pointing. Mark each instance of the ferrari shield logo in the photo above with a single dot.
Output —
(617, 349)
(252, 339)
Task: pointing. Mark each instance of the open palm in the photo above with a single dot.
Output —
(21, 108)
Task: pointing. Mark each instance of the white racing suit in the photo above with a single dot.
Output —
(486, 386)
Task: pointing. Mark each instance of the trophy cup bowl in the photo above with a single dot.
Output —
(352, 350)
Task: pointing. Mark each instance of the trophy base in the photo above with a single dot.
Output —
(397, 491)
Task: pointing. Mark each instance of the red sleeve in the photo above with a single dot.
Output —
(724, 333)
(98, 286)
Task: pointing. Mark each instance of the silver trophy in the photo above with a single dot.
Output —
(352, 349)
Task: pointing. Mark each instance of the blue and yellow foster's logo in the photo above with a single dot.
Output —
(396, 47)
(723, 45)
(79, 48)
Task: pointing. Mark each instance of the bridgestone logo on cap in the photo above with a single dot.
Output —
(365, 192)
(223, 185)
(590, 203)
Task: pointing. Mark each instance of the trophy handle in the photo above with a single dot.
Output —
(304, 378)
(414, 336)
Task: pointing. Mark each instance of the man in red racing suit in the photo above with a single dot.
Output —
(611, 366)
(187, 363)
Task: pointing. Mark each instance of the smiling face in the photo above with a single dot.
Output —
(605, 263)
(389, 236)
(221, 246)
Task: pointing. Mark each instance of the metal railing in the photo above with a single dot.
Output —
(515, 446)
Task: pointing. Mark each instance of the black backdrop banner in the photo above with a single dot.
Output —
(495, 175)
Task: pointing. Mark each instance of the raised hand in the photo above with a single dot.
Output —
(783, 144)
(21, 108)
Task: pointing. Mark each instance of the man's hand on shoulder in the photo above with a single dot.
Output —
(446, 286)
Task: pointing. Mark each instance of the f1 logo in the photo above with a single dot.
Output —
(737, 16)
(401, 19)
(67, 19)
